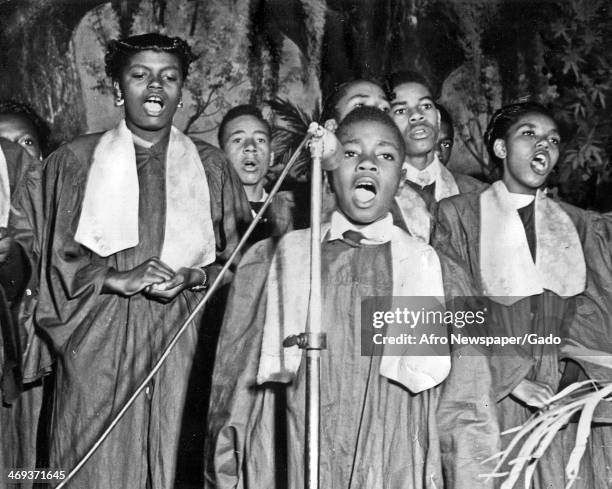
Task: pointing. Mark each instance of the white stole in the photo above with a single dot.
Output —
(414, 212)
(446, 186)
(109, 217)
(416, 272)
(507, 269)
(5, 192)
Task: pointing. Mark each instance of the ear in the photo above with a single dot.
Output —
(271, 161)
(116, 88)
(499, 148)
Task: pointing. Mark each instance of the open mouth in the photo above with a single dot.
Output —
(153, 105)
(250, 165)
(420, 132)
(365, 191)
(540, 163)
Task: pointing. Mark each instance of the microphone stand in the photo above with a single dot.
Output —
(314, 339)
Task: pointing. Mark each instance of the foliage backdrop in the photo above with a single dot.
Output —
(478, 53)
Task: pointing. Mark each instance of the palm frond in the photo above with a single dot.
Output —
(289, 128)
(534, 437)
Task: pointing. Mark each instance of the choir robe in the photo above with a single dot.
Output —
(21, 374)
(278, 218)
(457, 233)
(465, 184)
(592, 331)
(107, 343)
(374, 432)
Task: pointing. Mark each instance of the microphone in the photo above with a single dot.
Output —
(325, 145)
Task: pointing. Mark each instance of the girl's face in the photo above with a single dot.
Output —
(151, 84)
(530, 151)
(19, 129)
(367, 179)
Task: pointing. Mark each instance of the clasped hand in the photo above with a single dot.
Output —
(154, 279)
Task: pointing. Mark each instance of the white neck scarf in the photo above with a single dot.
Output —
(507, 269)
(414, 212)
(377, 232)
(5, 192)
(416, 272)
(434, 172)
(109, 217)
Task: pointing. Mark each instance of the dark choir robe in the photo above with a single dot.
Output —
(24, 358)
(457, 233)
(465, 184)
(278, 218)
(107, 343)
(374, 432)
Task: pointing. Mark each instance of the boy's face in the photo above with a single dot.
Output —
(361, 94)
(20, 130)
(445, 143)
(368, 176)
(414, 112)
(246, 143)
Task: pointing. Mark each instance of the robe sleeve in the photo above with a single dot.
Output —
(235, 400)
(467, 413)
(282, 209)
(72, 277)
(467, 421)
(456, 234)
(25, 219)
(590, 327)
(19, 272)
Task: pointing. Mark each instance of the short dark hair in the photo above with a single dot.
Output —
(407, 76)
(446, 118)
(372, 114)
(119, 51)
(238, 111)
(501, 122)
(339, 91)
(43, 132)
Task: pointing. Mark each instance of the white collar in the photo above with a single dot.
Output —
(520, 200)
(377, 232)
(426, 176)
(143, 143)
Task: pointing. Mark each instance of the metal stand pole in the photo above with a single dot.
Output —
(313, 355)
(315, 338)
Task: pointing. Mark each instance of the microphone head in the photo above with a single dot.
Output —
(326, 144)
